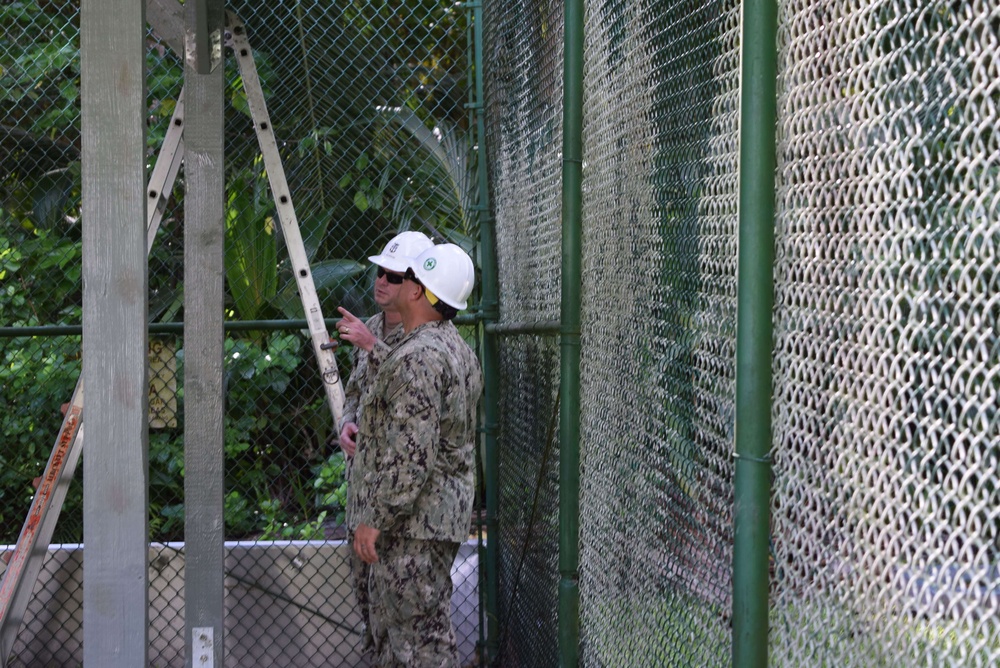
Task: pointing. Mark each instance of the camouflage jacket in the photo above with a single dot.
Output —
(414, 468)
(365, 364)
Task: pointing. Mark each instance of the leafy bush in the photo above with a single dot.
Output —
(279, 482)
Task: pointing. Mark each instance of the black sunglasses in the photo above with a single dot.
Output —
(394, 279)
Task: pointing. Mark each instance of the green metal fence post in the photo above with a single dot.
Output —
(569, 416)
(751, 517)
(491, 367)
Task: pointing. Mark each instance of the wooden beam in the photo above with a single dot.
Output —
(166, 18)
(204, 272)
(115, 496)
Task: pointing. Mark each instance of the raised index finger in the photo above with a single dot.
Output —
(347, 315)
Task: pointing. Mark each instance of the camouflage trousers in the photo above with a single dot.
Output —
(410, 588)
(360, 572)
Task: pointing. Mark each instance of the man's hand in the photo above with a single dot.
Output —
(353, 330)
(347, 442)
(364, 543)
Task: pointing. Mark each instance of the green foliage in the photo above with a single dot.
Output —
(356, 179)
(40, 107)
(30, 421)
(166, 485)
(251, 247)
(278, 484)
(330, 496)
(39, 285)
(442, 160)
(337, 75)
(41, 272)
(39, 67)
(334, 281)
(330, 484)
(271, 448)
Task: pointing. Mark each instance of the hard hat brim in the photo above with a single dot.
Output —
(396, 264)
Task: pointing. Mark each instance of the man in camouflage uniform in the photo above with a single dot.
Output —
(372, 340)
(412, 488)
(375, 337)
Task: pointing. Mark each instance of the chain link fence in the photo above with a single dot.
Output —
(885, 533)
(885, 537)
(368, 102)
(659, 321)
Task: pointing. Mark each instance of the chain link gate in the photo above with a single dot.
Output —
(523, 79)
(885, 538)
(368, 102)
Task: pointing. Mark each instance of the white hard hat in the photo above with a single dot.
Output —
(445, 270)
(400, 249)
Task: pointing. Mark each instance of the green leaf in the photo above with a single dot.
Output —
(361, 200)
(166, 108)
(69, 91)
(251, 252)
(334, 274)
(306, 144)
(333, 278)
(239, 102)
(313, 228)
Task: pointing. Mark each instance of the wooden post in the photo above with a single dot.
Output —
(115, 507)
(204, 270)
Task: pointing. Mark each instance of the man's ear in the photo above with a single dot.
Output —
(414, 291)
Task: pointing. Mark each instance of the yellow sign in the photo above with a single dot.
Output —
(162, 384)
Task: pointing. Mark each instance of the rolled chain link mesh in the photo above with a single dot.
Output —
(885, 526)
(368, 105)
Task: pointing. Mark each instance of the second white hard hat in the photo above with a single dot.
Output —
(400, 249)
(447, 271)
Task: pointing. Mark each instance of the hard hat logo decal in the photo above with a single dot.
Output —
(430, 263)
